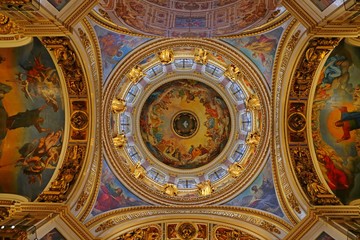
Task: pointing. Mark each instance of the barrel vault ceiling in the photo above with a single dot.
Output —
(190, 119)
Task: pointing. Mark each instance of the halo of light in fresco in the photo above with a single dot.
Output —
(200, 132)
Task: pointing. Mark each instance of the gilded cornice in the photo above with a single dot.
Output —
(89, 191)
(109, 222)
(7, 26)
(286, 196)
(41, 213)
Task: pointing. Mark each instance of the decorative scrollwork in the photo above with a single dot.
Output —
(201, 55)
(316, 51)
(152, 232)
(66, 177)
(7, 26)
(252, 140)
(138, 171)
(118, 105)
(67, 60)
(253, 103)
(233, 73)
(166, 56)
(135, 74)
(205, 188)
(170, 189)
(119, 140)
(235, 169)
(317, 193)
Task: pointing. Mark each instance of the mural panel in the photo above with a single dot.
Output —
(115, 47)
(112, 194)
(185, 124)
(260, 194)
(260, 49)
(53, 235)
(31, 119)
(335, 120)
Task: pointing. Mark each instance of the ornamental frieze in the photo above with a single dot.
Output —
(302, 162)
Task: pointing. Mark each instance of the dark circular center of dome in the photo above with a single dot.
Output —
(185, 124)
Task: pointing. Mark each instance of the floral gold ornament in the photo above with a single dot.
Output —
(120, 140)
(253, 103)
(135, 74)
(166, 56)
(66, 177)
(6, 25)
(67, 60)
(253, 139)
(201, 55)
(233, 73)
(152, 232)
(138, 171)
(170, 189)
(205, 188)
(186, 231)
(235, 169)
(118, 105)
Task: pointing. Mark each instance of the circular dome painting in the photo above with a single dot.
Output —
(185, 124)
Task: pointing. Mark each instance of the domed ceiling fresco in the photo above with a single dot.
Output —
(187, 18)
(32, 119)
(195, 129)
(335, 118)
(185, 124)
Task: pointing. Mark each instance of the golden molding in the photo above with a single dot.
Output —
(79, 119)
(286, 197)
(103, 20)
(110, 221)
(302, 163)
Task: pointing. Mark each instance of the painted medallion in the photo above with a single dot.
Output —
(185, 124)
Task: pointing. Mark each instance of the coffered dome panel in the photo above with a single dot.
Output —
(187, 18)
(185, 122)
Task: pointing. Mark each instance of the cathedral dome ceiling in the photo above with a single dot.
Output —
(190, 119)
(187, 122)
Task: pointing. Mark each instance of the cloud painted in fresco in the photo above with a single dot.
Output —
(32, 119)
(113, 194)
(260, 50)
(260, 194)
(114, 47)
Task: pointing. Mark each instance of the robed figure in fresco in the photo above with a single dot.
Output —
(349, 121)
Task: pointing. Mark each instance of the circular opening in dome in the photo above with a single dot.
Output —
(185, 124)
